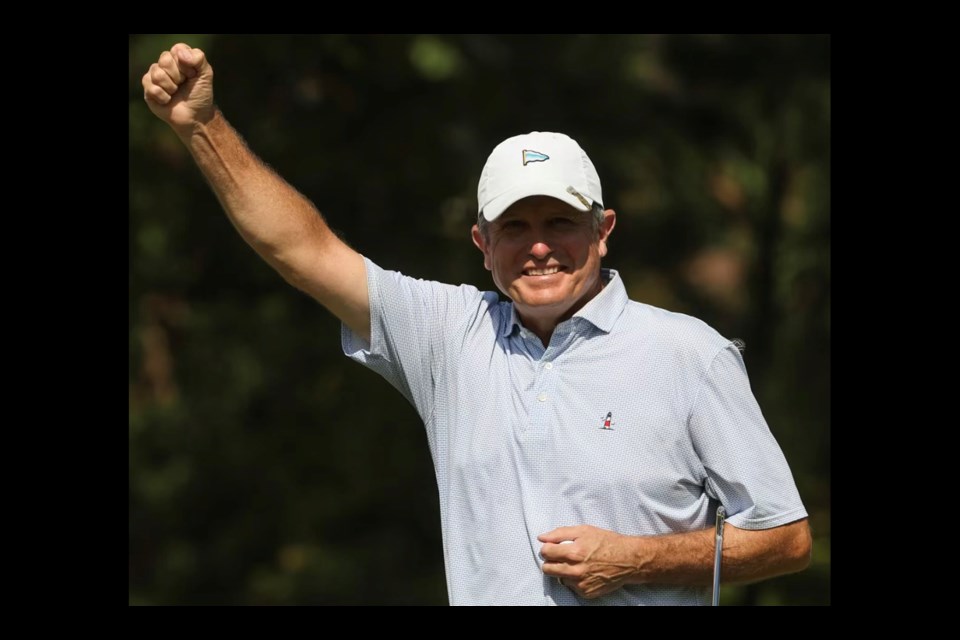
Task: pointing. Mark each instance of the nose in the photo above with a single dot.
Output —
(540, 250)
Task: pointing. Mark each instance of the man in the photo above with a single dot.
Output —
(581, 441)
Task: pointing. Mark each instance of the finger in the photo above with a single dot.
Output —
(162, 79)
(168, 63)
(561, 570)
(193, 62)
(559, 534)
(153, 93)
(560, 551)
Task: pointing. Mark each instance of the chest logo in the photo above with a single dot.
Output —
(608, 422)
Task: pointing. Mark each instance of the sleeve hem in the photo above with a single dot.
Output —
(756, 524)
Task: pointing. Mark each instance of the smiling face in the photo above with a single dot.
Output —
(545, 255)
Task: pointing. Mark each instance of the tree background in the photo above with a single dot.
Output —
(266, 468)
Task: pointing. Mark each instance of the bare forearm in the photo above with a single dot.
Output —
(599, 561)
(272, 216)
(688, 558)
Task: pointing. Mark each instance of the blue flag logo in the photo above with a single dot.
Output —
(533, 156)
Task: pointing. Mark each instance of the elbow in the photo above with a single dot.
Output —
(801, 548)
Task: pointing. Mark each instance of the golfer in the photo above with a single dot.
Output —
(582, 441)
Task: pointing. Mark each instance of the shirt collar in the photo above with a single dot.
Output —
(602, 311)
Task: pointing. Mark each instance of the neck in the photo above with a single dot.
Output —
(542, 329)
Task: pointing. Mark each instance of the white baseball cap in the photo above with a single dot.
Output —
(539, 163)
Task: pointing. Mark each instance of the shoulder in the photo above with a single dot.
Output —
(677, 333)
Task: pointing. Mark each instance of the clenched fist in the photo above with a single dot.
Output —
(178, 87)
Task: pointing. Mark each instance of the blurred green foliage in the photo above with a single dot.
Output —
(265, 468)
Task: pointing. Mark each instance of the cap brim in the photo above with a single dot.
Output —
(493, 209)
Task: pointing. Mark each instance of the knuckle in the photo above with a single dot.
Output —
(168, 65)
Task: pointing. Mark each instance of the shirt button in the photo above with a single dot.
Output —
(549, 365)
(542, 397)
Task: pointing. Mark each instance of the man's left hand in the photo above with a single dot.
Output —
(596, 563)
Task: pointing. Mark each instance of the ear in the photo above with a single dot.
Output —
(606, 228)
(481, 244)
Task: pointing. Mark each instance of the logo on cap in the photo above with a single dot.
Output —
(533, 156)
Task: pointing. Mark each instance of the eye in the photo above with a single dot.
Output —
(511, 225)
(563, 222)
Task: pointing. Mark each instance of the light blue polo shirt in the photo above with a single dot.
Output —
(633, 419)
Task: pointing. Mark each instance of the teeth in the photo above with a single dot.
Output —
(542, 272)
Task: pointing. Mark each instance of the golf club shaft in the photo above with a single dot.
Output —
(718, 555)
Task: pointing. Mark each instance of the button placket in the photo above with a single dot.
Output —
(543, 388)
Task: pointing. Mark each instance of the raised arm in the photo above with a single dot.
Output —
(274, 218)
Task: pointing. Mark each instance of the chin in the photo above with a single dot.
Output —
(541, 303)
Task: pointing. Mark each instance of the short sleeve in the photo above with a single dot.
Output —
(745, 467)
(411, 322)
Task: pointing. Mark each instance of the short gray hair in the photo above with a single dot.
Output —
(596, 220)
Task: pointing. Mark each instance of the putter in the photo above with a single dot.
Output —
(721, 515)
